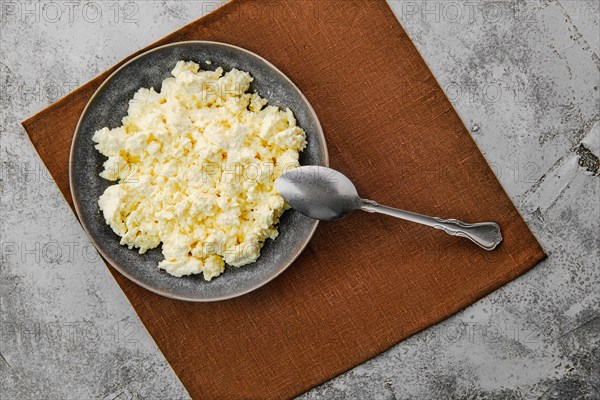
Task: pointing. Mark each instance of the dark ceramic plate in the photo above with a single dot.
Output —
(109, 105)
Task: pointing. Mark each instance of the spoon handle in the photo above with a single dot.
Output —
(486, 235)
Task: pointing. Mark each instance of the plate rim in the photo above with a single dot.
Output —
(319, 134)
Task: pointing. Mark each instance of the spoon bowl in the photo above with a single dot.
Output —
(319, 192)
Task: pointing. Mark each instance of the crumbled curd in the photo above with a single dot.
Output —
(195, 165)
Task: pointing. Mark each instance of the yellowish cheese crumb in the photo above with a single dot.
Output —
(195, 165)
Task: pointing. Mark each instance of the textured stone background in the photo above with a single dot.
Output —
(524, 76)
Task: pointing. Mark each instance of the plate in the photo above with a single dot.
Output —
(109, 105)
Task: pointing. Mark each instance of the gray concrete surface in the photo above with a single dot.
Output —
(523, 75)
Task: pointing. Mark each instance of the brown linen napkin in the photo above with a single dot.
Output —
(366, 282)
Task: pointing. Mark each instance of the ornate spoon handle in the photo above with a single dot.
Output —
(486, 235)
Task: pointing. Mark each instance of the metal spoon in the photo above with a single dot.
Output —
(326, 194)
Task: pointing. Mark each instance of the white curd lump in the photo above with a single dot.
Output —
(195, 165)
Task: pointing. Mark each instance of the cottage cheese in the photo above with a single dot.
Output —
(195, 165)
